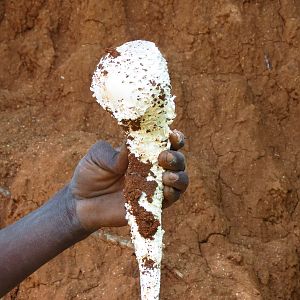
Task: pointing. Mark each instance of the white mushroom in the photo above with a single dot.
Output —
(132, 83)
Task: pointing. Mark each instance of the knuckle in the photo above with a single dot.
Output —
(181, 143)
(99, 144)
(183, 177)
(179, 160)
(181, 140)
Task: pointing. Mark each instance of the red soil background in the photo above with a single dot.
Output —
(235, 68)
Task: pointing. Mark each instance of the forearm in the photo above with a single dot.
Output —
(37, 238)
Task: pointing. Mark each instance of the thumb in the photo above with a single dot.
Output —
(121, 159)
(108, 158)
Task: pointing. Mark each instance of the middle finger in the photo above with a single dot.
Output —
(171, 160)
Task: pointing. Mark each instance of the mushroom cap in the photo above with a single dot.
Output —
(129, 80)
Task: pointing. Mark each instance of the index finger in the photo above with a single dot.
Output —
(176, 139)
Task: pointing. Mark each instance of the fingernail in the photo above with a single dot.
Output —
(180, 137)
(177, 134)
(173, 176)
(170, 158)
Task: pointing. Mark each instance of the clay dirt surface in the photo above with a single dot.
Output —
(235, 69)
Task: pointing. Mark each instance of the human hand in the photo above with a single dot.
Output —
(98, 182)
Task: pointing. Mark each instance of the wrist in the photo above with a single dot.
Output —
(70, 214)
(104, 211)
(84, 210)
(38, 237)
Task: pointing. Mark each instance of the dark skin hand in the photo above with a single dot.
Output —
(98, 182)
(92, 199)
